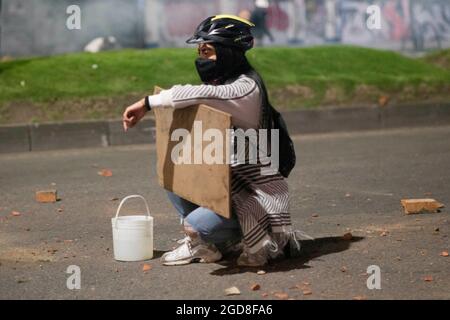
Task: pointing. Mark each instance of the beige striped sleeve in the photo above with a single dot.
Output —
(241, 99)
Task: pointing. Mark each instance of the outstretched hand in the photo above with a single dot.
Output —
(133, 114)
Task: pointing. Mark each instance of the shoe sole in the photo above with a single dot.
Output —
(178, 263)
(188, 261)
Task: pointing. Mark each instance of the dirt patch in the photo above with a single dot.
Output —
(292, 95)
(24, 254)
(366, 94)
(334, 95)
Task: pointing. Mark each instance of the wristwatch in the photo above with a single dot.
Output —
(147, 104)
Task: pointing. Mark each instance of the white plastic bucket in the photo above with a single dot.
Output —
(132, 235)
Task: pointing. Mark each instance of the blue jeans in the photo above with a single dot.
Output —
(211, 227)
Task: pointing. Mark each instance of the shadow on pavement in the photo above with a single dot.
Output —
(158, 254)
(312, 249)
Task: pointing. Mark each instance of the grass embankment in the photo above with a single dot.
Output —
(99, 86)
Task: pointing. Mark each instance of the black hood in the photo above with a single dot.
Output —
(231, 63)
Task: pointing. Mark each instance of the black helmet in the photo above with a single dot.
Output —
(227, 30)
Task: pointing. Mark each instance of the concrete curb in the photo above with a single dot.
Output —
(53, 136)
(366, 118)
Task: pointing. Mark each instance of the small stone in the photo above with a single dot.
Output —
(105, 173)
(46, 196)
(146, 267)
(411, 206)
(232, 291)
(261, 272)
(255, 287)
(383, 101)
(307, 292)
(348, 236)
(281, 295)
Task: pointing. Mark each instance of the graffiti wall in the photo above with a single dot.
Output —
(38, 27)
(405, 24)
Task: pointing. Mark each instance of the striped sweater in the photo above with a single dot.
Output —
(240, 98)
(261, 202)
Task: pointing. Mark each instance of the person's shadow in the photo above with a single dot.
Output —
(311, 249)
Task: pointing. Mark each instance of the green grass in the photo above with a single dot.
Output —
(296, 77)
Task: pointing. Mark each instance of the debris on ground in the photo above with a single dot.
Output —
(233, 291)
(444, 254)
(146, 267)
(412, 206)
(46, 196)
(428, 278)
(105, 173)
(255, 287)
(305, 287)
(15, 213)
(307, 292)
(281, 295)
(383, 101)
(348, 236)
(261, 272)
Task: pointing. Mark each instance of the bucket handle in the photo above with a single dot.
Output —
(129, 197)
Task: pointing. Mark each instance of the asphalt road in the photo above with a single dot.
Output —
(347, 182)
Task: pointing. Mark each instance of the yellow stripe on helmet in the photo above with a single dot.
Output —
(230, 16)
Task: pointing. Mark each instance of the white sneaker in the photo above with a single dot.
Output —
(191, 251)
(183, 240)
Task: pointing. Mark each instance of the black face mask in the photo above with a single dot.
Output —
(207, 69)
(230, 63)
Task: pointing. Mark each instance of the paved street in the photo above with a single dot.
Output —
(346, 182)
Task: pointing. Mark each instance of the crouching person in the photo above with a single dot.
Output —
(260, 221)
